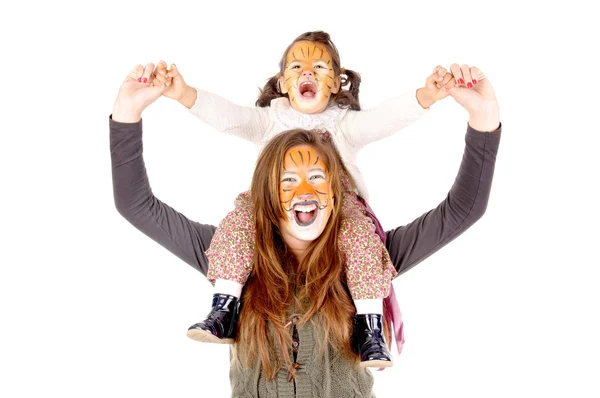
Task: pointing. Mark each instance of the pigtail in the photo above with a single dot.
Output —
(269, 92)
(348, 98)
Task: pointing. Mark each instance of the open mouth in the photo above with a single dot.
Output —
(308, 90)
(305, 213)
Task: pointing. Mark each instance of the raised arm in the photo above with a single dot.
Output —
(394, 114)
(249, 123)
(133, 196)
(367, 126)
(467, 200)
(465, 204)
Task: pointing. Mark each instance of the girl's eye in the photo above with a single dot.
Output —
(315, 177)
(288, 179)
(319, 67)
(295, 67)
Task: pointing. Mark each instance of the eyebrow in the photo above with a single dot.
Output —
(310, 170)
(294, 61)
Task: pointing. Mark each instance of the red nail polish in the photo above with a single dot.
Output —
(139, 79)
(461, 81)
(144, 80)
(469, 85)
(474, 81)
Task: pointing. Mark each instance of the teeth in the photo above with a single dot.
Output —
(305, 208)
(305, 83)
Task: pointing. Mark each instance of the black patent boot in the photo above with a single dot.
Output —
(220, 325)
(371, 346)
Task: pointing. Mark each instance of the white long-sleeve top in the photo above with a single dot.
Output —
(350, 130)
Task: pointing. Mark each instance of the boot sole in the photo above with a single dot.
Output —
(205, 337)
(376, 364)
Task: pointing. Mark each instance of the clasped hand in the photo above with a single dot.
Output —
(467, 85)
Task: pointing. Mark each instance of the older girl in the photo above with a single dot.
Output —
(294, 333)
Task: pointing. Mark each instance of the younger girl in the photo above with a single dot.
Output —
(308, 93)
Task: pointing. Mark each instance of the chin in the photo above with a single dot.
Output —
(310, 230)
(315, 105)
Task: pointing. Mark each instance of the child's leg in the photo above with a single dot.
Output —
(369, 268)
(230, 263)
(232, 247)
(369, 272)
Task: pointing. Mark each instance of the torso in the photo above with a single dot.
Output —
(324, 373)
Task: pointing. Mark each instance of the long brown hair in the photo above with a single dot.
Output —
(318, 278)
(345, 98)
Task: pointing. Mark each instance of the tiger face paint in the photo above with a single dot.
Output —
(309, 78)
(305, 194)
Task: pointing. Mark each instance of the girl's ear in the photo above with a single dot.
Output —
(282, 88)
(337, 83)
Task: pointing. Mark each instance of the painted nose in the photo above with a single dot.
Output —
(305, 196)
(307, 73)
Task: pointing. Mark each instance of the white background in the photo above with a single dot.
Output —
(90, 307)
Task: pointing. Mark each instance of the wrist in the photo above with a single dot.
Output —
(125, 115)
(188, 99)
(485, 119)
(423, 98)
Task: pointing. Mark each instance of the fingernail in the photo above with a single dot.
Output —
(474, 81)
(461, 81)
(139, 79)
(469, 85)
(144, 80)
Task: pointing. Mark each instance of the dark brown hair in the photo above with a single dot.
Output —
(318, 279)
(345, 98)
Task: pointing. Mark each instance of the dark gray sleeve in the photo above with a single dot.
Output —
(465, 204)
(134, 200)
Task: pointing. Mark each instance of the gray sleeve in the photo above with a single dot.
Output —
(466, 202)
(135, 201)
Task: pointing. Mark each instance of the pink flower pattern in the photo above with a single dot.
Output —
(369, 269)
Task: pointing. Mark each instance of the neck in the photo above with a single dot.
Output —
(297, 247)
